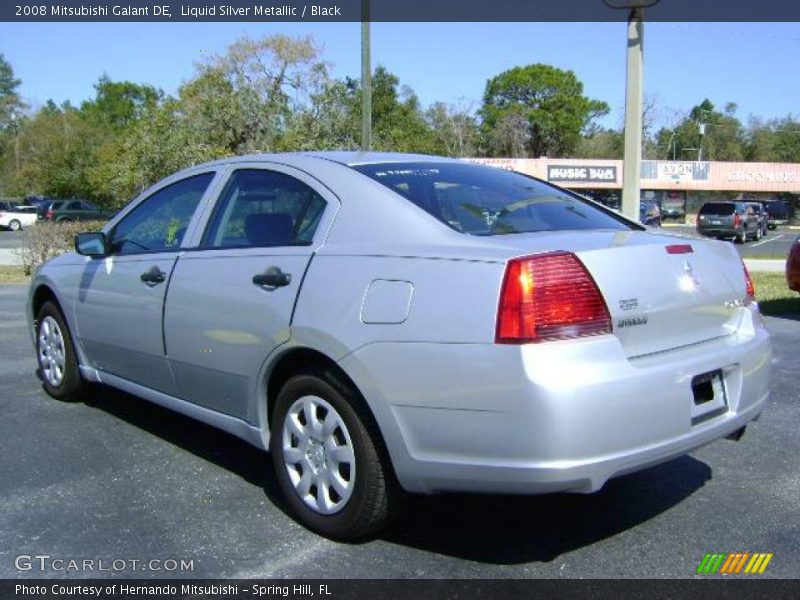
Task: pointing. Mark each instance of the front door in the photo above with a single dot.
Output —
(119, 309)
(230, 301)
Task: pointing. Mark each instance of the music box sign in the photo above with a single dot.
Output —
(576, 173)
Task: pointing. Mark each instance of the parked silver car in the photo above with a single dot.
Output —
(396, 323)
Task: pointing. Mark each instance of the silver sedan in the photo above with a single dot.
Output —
(385, 324)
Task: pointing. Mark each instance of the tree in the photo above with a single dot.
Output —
(454, 128)
(398, 123)
(602, 143)
(10, 103)
(258, 85)
(723, 139)
(547, 102)
(121, 103)
(776, 140)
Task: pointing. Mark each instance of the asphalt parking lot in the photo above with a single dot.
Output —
(117, 478)
(10, 239)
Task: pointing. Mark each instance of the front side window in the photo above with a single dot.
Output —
(487, 201)
(159, 223)
(261, 208)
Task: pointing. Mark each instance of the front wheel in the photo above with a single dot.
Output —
(56, 355)
(15, 225)
(329, 459)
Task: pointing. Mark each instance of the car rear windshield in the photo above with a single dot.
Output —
(718, 208)
(481, 200)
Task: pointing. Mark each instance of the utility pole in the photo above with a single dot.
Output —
(632, 164)
(366, 80)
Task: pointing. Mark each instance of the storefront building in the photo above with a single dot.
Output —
(679, 188)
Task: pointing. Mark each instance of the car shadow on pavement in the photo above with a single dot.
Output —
(509, 530)
(483, 528)
(207, 442)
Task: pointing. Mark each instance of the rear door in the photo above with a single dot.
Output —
(231, 299)
(119, 308)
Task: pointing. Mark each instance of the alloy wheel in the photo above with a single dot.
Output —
(318, 455)
(52, 354)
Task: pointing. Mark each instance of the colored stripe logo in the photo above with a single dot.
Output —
(734, 563)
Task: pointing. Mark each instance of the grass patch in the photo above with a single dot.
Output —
(774, 296)
(9, 274)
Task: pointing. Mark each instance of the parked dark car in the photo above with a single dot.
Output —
(736, 221)
(649, 214)
(777, 213)
(40, 202)
(74, 210)
(793, 266)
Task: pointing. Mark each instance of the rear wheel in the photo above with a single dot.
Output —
(741, 237)
(329, 459)
(758, 234)
(56, 355)
(14, 225)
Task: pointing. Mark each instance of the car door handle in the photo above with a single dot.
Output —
(153, 276)
(272, 277)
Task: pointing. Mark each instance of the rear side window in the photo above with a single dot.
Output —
(719, 209)
(482, 200)
(261, 208)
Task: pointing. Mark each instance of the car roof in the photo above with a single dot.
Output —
(347, 158)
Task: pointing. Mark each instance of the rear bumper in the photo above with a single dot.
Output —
(564, 416)
(717, 232)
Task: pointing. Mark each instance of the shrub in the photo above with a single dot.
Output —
(43, 241)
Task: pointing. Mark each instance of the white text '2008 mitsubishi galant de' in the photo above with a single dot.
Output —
(386, 323)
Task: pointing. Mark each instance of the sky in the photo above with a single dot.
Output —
(754, 65)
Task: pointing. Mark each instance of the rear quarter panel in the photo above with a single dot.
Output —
(451, 301)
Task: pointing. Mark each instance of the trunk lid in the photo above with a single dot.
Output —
(657, 300)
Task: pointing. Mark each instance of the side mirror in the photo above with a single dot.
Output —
(92, 244)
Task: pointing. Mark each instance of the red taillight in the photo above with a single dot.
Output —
(549, 297)
(750, 289)
(736, 219)
(48, 214)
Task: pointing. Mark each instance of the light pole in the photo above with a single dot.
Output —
(366, 80)
(632, 160)
(702, 128)
(671, 140)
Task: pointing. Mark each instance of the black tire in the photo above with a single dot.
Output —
(376, 496)
(757, 236)
(14, 225)
(741, 237)
(71, 385)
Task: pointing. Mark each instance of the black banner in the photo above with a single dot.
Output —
(394, 10)
(165, 589)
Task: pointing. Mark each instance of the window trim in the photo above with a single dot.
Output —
(203, 243)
